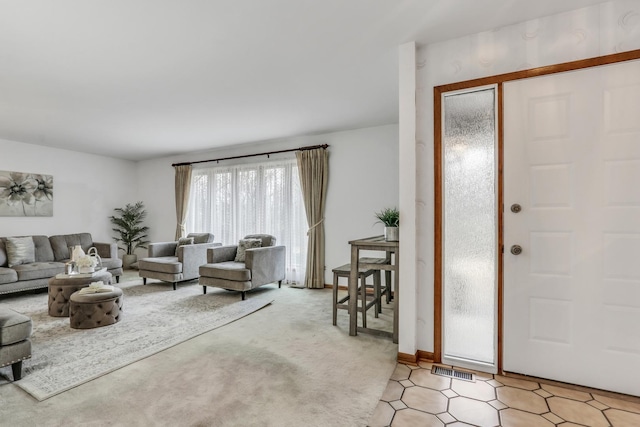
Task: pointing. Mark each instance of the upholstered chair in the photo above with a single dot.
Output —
(15, 346)
(175, 262)
(261, 265)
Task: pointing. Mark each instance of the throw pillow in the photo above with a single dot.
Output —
(184, 241)
(245, 244)
(20, 250)
(201, 237)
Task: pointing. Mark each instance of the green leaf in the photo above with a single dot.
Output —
(129, 228)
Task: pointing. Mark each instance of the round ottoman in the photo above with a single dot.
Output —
(60, 291)
(95, 310)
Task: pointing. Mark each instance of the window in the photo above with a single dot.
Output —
(233, 201)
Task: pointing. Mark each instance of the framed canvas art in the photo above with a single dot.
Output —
(26, 194)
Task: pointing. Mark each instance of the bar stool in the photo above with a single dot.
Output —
(345, 271)
(386, 289)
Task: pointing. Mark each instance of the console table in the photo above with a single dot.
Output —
(376, 243)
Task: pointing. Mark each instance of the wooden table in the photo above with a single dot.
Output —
(376, 243)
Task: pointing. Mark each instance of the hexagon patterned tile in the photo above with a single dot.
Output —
(416, 397)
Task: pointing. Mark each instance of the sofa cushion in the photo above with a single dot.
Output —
(61, 243)
(14, 327)
(245, 244)
(44, 252)
(165, 264)
(201, 237)
(38, 270)
(229, 270)
(3, 254)
(111, 263)
(20, 250)
(8, 275)
(184, 241)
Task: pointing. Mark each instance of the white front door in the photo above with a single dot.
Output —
(572, 162)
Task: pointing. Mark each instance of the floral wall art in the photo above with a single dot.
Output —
(26, 194)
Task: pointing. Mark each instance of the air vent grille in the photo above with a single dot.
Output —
(452, 373)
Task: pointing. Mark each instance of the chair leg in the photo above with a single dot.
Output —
(117, 279)
(144, 280)
(279, 284)
(204, 290)
(175, 286)
(16, 368)
(387, 284)
(363, 292)
(243, 295)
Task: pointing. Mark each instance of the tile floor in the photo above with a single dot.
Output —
(415, 397)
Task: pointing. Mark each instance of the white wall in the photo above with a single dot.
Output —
(86, 189)
(603, 29)
(363, 179)
(407, 335)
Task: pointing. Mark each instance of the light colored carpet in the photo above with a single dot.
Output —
(151, 321)
(285, 365)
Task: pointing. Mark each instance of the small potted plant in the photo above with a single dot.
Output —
(130, 231)
(390, 217)
(86, 264)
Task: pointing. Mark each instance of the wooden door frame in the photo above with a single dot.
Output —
(498, 80)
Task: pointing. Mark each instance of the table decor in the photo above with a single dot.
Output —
(390, 217)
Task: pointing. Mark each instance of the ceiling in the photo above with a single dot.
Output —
(139, 79)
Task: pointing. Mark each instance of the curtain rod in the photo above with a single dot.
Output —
(310, 147)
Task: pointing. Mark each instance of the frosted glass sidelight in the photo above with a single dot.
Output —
(469, 234)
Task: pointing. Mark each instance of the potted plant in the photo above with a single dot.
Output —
(86, 264)
(130, 231)
(390, 217)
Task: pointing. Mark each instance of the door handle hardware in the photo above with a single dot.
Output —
(515, 208)
(516, 249)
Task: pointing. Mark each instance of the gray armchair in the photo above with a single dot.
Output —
(262, 266)
(169, 262)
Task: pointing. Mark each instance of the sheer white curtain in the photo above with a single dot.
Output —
(233, 201)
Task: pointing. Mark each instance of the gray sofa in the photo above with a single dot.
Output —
(51, 253)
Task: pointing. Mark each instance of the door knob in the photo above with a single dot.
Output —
(515, 208)
(516, 249)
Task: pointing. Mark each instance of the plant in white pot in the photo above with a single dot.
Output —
(130, 231)
(390, 217)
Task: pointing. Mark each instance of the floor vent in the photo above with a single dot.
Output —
(452, 373)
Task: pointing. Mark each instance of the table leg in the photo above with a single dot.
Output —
(353, 292)
(335, 298)
(377, 291)
(387, 277)
(396, 299)
(363, 295)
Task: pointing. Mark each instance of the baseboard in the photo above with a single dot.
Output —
(413, 359)
(425, 356)
(408, 359)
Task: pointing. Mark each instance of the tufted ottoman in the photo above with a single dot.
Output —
(95, 310)
(15, 330)
(60, 291)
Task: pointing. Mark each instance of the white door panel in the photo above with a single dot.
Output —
(572, 160)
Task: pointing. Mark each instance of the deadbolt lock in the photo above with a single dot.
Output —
(516, 249)
(515, 208)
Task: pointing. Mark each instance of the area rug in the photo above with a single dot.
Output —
(154, 318)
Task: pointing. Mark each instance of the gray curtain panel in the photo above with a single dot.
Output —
(183, 188)
(313, 166)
